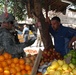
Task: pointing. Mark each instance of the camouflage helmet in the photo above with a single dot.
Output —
(6, 17)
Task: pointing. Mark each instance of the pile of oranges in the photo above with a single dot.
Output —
(13, 66)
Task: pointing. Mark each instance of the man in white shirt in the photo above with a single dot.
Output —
(25, 33)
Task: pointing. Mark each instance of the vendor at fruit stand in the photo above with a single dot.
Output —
(7, 40)
(63, 36)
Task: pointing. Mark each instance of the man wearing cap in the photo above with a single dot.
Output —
(7, 40)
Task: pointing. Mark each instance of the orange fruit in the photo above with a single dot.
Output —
(22, 67)
(12, 65)
(1, 74)
(23, 72)
(13, 71)
(6, 55)
(6, 68)
(2, 58)
(18, 73)
(9, 66)
(17, 68)
(4, 64)
(29, 72)
(21, 61)
(17, 64)
(0, 65)
(10, 56)
(7, 72)
(1, 69)
(15, 60)
(9, 61)
(28, 67)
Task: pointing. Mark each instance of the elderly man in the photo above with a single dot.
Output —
(63, 36)
(7, 40)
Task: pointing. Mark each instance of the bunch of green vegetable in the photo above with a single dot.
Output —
(71, 54)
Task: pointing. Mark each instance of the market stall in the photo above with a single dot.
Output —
(39, 61)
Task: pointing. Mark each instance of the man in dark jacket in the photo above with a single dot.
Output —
(7, 40)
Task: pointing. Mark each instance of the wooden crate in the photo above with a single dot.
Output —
(36, 63)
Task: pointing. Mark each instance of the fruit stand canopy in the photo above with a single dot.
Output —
(73, 1)
(59, 5)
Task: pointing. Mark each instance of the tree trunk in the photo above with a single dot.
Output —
(45, 36)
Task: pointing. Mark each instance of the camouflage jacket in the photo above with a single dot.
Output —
(7, 42)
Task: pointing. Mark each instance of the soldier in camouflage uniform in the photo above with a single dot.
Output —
(7, 40)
